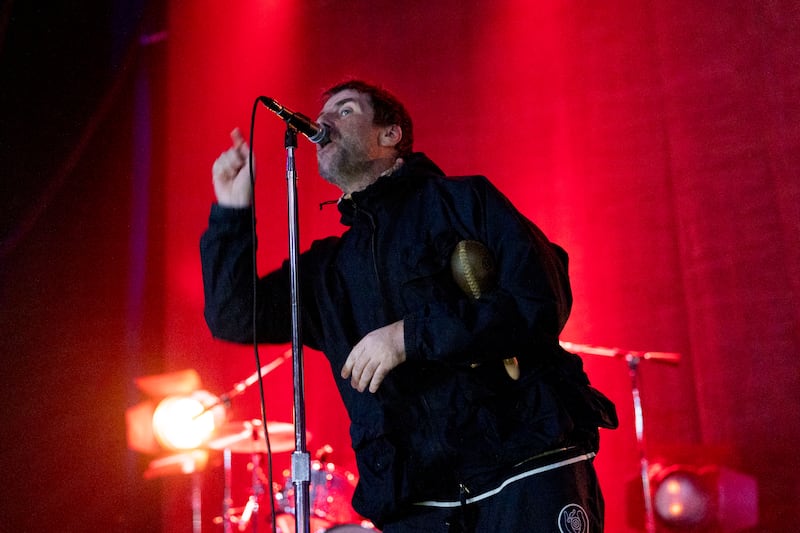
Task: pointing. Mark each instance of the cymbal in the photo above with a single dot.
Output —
(248, 437)
(587, 349)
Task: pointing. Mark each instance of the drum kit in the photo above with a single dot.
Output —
(269, 506)
(330, 487)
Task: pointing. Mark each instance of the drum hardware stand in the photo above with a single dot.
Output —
(227, 500)
(251, 508)
(633, 359)
(633, 371)
(240, 387)
(197, 503)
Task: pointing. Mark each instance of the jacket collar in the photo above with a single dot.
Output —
(403, 176)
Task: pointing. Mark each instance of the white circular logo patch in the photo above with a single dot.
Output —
(573, 519)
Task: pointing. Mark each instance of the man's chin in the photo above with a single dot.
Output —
(326, 160)
(328, 176)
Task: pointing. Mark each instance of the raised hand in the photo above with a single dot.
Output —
(231, 174)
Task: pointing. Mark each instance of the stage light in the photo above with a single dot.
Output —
(186, 422)
(703, 498)
(682, 498)
(174, 422)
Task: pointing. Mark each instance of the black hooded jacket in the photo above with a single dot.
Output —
(449, 416)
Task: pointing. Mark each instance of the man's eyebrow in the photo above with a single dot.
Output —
(340, 103)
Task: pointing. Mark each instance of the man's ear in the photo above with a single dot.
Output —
(391, 135)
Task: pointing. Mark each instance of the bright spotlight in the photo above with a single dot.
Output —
(186, 422)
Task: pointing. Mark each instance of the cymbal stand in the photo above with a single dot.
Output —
(633, 359)
(638, 418)
(197, 503)
(249, 513)
(240, 387)
(227, 500)
(251, 508)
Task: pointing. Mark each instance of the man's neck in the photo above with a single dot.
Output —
(379, 168)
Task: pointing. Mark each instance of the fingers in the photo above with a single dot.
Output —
(232, 160)
(371, 360)
(362, 376)
(369, 375)
(377, 379)
(354, 367)
(239, 144)
(367, 369)
(361, 370)
(347, 369)
(231, 174)
(229, 163)
(237, 138)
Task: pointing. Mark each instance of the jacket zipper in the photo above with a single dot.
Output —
(374, 250)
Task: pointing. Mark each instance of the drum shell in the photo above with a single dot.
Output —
(330, 492)
(350, 528)
(286, 524)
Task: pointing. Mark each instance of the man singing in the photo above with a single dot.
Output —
(439, 310)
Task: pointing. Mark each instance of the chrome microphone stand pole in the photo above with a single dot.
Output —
(301, 461)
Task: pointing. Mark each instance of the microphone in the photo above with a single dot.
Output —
(316, 133)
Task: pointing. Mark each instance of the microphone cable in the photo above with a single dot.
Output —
(261, 395)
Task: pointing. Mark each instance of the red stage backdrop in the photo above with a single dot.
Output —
(657, 142)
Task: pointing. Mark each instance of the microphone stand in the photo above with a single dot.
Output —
(301, 461)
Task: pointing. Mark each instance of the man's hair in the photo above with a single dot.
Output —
(388, 110)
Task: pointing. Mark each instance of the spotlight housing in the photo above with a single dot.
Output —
(703, 498)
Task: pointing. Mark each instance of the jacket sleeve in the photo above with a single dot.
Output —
(526, 310)
(226, 251)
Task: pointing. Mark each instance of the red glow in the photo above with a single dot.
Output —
(610, 126)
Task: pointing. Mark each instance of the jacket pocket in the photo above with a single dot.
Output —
(379, 493)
